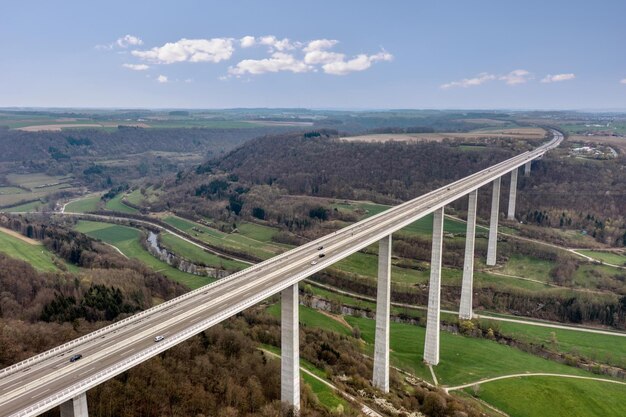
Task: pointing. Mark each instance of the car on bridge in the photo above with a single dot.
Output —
(75, 357)
(159, 338)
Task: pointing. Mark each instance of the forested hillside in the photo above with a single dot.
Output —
(562, 192)
(99, 158)
(578, 194)
(17, 145)
(328, 167)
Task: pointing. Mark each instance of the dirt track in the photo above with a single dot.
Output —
(20, 236)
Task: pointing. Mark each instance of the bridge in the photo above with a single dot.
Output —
(49, 379)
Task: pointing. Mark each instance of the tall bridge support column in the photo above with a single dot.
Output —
(76, 407)
(493, 223)
(527, 169)
(383, 298)
(431, 344)
(467, 290)
(512, 195)
(290, 348)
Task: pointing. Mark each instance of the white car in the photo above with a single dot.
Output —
(313, 262)
(159, 338)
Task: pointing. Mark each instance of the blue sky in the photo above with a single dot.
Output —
(319, 54)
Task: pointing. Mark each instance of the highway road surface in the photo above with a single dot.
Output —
(49, 379)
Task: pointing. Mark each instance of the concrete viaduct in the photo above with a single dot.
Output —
(49, 379)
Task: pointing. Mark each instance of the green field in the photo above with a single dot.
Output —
(607, 257)
(197, 255)
(313, 318)
(597, 347)
(594, 276)
(325, 395)
(485, 279)
(37, 180)
(23, 208)
(366, 264)
(537, 396)
(527, 267)
(36, 255)
(22, 189)
(83, 205)
(605, 349)
(115, 204)
(136, 197)
(252, 238)
(463, 359)
(257, 231)
(127, 240)
(11, 190)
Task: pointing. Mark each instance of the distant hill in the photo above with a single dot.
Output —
(17, 145)
(327, 167)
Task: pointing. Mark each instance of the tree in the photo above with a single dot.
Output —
(434, 405)
(259, 213)
(318, 213)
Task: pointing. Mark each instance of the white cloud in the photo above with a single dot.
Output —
(189, 50)
(128, 40)
(123, 42)
(278, 44)
(284, 55)
(279, 61)
(320, 44)
(323, 57)
(316, 52)
(162, 79)
(558, 77)
(515, 77)
(481, 78)
(247, 41)
(136, 67)
(622, 81)
(360, 63)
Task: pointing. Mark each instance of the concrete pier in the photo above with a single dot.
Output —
(527, 169)
(383, 298)
(493, 223)
(431, 343)
(290, 348)
(76, 407)
(467, 290)
(512, 195)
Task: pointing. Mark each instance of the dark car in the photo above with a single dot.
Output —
(320, 248)
(322, 255)
(76, 357)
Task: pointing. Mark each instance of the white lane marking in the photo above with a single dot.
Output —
(12, 385)
(41, 392)
(88, 370)
(126, 352)
(107, 344)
